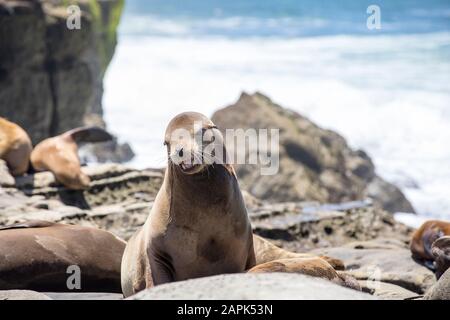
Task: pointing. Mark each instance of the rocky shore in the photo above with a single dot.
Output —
(372, 244)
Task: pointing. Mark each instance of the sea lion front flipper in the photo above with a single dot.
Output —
(90, 134)
(28, 224)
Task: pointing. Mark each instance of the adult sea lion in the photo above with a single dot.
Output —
(60, 155)
(441, 252)
(423, 239)
(198, 225)
(15, 147)
(35, 255)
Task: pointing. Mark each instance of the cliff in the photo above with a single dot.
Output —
(51, 76)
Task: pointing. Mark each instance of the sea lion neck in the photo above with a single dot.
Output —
(209, 187)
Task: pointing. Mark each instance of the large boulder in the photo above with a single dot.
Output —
(315, 163)
(268, 286)
(51, 76)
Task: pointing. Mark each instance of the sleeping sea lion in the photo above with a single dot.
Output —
(60, 155)
(36, 254)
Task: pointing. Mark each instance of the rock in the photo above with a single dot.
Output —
(6, 179)
(51, 76)
(118, 200)
(103, 152)
(22, 295)
(276, 286)
(392, 265)
(84, 296)
(315, 164)
(301, 226)
(385, 193)
(385, 290)
(441, 290)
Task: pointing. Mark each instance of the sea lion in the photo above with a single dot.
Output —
(15, 147)
(60, 155)
(35, 255)
(441, 252)
(310, 266)
(198, 225)
(423, 239)
(266, 251)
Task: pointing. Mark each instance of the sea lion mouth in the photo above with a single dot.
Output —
(190, 168)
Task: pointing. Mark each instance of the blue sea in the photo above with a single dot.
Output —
(385, 90)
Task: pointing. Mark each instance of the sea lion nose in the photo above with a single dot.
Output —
(179, 151)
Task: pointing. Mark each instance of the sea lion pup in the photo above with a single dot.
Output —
(423, 239)
(441, 252)
(60, 155)
(15, 147)
(266, 252)
(36, 255)
(198, 225)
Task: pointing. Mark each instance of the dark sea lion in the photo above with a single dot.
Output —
(423, 239)
(15, 147)
(35, 255)
(198, 225)
(441, 252)
(60, 155)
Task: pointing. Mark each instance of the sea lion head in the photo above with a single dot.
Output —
(441, 252)
(193, 143)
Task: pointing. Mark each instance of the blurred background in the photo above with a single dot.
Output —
(385, 90)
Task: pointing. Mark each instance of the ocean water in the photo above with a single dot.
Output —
(386, 91)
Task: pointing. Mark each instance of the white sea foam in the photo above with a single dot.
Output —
(388, 95)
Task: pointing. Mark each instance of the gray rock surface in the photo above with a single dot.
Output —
(441, 290)
(393, 265)
(276, 286)
(6, 179)
(22, 295)
(84, 296)
(315, 164)
(384, 290)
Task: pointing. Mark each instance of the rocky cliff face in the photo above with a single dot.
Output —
(51, 76)
(315, 163)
